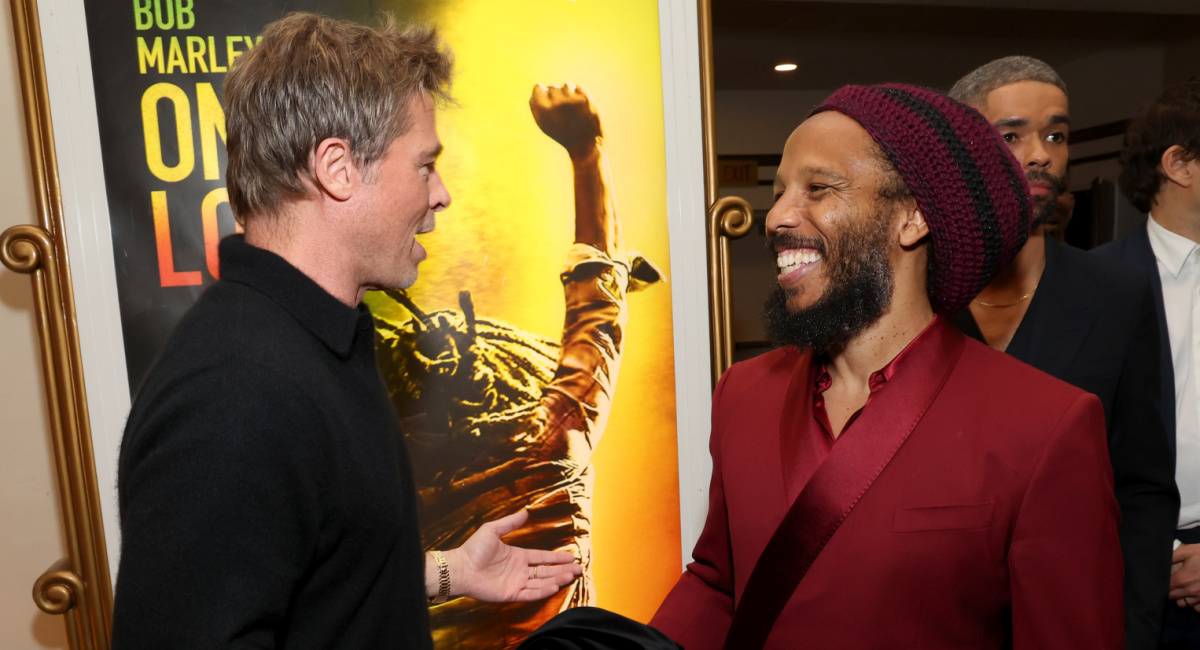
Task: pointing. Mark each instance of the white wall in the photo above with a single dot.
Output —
(32, 538)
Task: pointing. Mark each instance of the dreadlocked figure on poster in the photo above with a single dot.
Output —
(497, 417)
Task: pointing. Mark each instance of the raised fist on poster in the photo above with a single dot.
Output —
(498, 418)
(566, 114)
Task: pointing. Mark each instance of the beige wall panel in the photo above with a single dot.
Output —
(32, 538)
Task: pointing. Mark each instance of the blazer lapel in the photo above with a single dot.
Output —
(1138, 251)
(859, 457)
(1141, 254)
(1062, 313)
(797, 414)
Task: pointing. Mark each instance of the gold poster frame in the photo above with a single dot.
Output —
(727, 218)
(79, 586)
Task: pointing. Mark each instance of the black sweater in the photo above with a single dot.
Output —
(266, 497)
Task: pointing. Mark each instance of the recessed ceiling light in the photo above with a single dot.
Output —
(785, 67)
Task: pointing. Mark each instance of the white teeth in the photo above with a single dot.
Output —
(790, 260)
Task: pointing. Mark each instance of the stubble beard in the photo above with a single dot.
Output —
(410, 263)
(859, 289)
(1045, 205)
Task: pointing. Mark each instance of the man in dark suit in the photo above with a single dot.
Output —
(1160, 173)
(1086, 320)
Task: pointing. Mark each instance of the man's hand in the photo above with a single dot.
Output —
(1185, 576)
(566, 114)
(487, 569)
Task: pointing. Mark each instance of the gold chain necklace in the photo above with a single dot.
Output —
(1011, 304)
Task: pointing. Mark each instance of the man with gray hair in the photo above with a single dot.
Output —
(266, 496)
(1083, 319)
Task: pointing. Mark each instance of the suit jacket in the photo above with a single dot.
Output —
(1135, 249)
(989, 522)
(1092, 324)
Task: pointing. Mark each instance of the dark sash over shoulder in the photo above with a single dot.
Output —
(837, 486)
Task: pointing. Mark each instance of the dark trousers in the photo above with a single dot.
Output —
(1181, 625)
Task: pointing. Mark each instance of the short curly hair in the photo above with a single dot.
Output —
(974, 88)
(1172, 119)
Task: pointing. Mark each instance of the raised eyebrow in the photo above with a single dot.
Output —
(1060, 119)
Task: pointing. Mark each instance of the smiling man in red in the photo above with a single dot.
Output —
(880, 480)
(1086, 320)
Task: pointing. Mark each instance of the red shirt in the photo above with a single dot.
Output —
(817, 439)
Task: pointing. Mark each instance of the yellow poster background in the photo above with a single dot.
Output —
(511, 222)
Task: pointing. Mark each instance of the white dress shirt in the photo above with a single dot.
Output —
(1179, 269)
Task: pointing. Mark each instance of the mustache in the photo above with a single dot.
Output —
(1058, 184)
(792, 240)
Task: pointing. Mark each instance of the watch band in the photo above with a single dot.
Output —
(443, 593)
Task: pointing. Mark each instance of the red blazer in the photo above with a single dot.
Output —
(995, 517)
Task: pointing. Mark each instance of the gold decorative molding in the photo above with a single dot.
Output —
(728, 218)
(57, 592)
(79, 586)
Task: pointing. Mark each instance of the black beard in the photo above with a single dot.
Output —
(860, 284)
(1043, 206)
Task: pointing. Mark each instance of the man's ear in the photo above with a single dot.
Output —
(333, 169)
(910, 225)
(1177, 165)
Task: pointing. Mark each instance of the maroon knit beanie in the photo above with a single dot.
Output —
(965, 180)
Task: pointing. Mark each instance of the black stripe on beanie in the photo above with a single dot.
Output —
(1015, 176)
(972, 176)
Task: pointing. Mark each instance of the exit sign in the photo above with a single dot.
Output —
(737, 172)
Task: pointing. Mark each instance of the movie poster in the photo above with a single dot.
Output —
(529, 367)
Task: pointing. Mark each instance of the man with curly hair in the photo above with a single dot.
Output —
(1160, 174)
